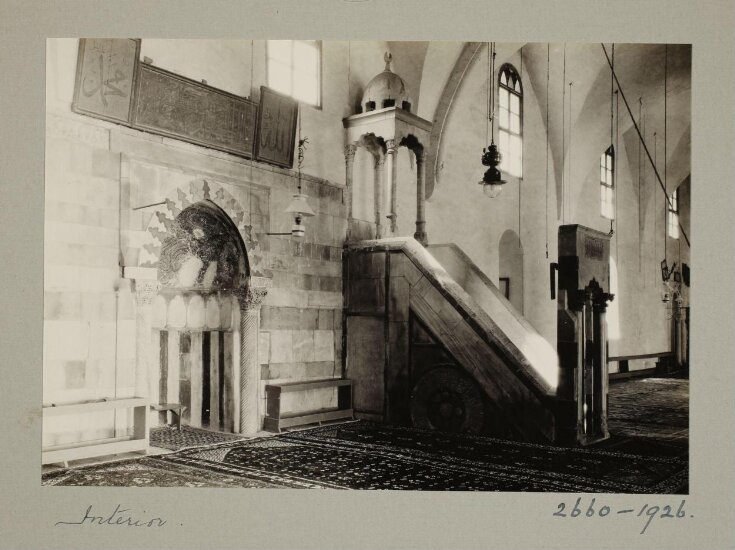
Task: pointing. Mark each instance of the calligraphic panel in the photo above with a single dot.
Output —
(106, 71)
(276, 134)
(175, 106)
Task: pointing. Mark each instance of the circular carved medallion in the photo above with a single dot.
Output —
(446, 399)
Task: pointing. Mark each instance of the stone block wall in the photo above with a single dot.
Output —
(93, 232)
(99, 243)
(89, 315)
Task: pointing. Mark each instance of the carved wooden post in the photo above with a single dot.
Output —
(349, 170)
(420, 234)
(145, 292)
(379, 194)
(599, 309)
(392, 154)
(250, 299)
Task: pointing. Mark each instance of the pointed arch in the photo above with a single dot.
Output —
(162, 222)
(204, 250)
(510, 120)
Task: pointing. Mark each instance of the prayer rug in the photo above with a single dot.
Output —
(168, 437)
(146, 472)
(364, 455)
(650, 408)
(647, 453)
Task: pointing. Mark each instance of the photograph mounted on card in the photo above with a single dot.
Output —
(276, 129)
(105, 79)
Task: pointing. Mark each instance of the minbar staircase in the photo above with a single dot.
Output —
(430, 341)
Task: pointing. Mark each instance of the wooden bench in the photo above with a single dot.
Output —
(624, 372)
(176, 409)
(108, 446)
(275, 419)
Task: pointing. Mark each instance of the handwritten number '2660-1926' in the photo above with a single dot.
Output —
(646, 510)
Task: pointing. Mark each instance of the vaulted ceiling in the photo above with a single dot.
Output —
(642, 70)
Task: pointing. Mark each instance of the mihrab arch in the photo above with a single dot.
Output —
(202, 326)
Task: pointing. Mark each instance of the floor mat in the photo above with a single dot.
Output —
(363, 455)
(147, 472)
(647, 453)
(168, 437)
(650, 408)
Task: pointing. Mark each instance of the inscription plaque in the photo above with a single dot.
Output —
(106, 71)
(276, 133)
(174, 106)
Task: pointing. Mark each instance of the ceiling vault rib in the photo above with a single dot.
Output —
(454, 81)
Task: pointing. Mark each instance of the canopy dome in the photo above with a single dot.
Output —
(386, 89)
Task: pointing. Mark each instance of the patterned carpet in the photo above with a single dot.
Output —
(647, 453)
(363, 455)
(168, 437)
(650, 408)
(147, 472)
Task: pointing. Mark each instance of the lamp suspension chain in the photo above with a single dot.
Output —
(570, 183)
(492, 99)
(548, 50)
(614, 145)
(615, 173)
(645, 147)
(489, 105)
(492, 180)
(612, 85)
(563, 136)
(301, 155)
(666, 187)
(640, 228)
(252, 149)
(252, 72)
(655, 216)
(520, 240)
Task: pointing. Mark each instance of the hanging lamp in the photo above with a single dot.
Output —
(299, 207)
(492, 181)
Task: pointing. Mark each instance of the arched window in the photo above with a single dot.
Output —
(510, 121)
(607, 189)
(674, 215)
